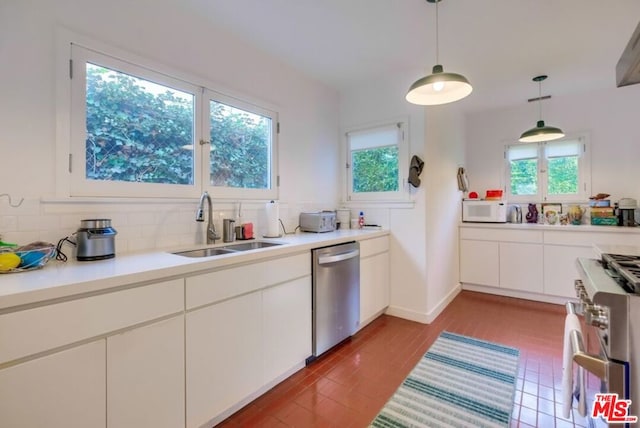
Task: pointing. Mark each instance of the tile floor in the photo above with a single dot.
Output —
(349, 385)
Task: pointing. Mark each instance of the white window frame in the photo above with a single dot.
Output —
(73, 51)
(233, 192)
(402, 194)
(584, 172)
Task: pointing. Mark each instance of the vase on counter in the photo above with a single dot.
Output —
(532, 214)
(574, 214)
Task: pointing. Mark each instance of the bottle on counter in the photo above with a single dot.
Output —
(361, 220)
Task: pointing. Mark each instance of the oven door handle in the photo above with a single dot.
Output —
(591, 363)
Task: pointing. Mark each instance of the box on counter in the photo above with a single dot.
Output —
(599, 203)
(604, 221)
(601, 212)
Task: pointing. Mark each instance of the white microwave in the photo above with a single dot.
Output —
(480, 211)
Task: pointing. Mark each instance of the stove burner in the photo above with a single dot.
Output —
(624, 269)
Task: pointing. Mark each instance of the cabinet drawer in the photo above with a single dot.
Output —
(369, 247)
(235, 281)
(39, 329)
(494, 234)
(588, 239)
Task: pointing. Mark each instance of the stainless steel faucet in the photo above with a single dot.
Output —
(211, 229)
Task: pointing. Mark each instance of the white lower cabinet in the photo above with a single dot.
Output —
(560, 270)
(374, 286)
(480, 262)
(540, 264)
(64, 389)
(145, 376)
(223, 356)
(521, 267)
(286, 324)
(374, 278)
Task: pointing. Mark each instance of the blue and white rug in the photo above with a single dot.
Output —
(460, 382)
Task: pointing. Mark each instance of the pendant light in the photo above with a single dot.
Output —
(541, 132)
(438, 87)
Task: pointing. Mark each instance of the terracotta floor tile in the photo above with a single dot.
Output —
(349, 385)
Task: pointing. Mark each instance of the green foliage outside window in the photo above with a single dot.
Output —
(375, 170)
(240, 148)
(134, 134)
(563, 175)
(138, 131)
(524, 177)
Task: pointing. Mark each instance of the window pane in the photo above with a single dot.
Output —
(563, 175)
(375, 170)
(240, 148)
(524, 177)
(137, 130)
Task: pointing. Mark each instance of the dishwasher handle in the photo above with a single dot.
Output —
(323, 260)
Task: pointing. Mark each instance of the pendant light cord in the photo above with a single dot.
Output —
(437, 36)
(540, 99)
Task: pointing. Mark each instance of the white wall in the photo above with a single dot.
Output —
(610, 117)
(445, 142)
(424, 260)
(163, 32)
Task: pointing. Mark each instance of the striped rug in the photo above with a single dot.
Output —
(460, 382)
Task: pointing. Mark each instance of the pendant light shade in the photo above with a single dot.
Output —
(541, 132)
(438, 87)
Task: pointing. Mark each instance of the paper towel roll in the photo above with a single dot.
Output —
(272, 211)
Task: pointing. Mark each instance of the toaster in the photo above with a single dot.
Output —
(320, 221)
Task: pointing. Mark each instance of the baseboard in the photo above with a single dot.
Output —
(407, 314)
(517, 294)
(442, 304)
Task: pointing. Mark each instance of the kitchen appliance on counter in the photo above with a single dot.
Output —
(95, 240)
(228, 230)
(483, 211)
(626, 212)
(609, 293)
(335, 274)
(515, 214)
(319, 221)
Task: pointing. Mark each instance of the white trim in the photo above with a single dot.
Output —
(584, 172)
(63, 186)
(271, 193)
(403, 194)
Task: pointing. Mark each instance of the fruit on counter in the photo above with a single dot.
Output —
(473, 195)
(9, 261)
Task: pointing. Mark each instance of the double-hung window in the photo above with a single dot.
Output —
(377, 163)
(554, 171)
(138, 132)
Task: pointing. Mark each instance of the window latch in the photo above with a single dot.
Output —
(204, 142)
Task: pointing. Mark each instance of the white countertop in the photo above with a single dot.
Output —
(556, 227)
(59, 280)
(627, 250)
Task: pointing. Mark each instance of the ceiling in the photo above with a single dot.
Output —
(499, 45)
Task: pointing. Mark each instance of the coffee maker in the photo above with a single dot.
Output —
(625, 212)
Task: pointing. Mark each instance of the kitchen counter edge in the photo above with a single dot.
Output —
(73, 279)
(554, 228)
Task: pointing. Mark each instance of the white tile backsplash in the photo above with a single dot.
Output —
(140, 225)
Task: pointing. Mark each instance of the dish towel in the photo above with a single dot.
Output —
(571, 323)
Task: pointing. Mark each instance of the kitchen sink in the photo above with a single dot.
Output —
(227, 249)
(251, 245)
(205, 252)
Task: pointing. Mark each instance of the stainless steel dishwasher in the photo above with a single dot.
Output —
(336, 295)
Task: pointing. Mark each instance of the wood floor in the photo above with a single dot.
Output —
(349, 385)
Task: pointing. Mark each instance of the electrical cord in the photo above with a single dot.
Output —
(60, 256)
(285, 230)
